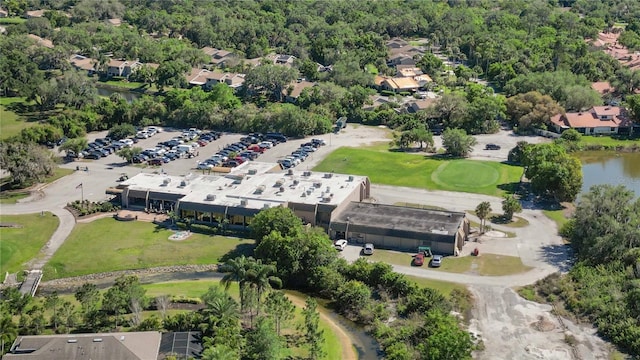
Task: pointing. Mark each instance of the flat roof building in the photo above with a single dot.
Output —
(399, 227)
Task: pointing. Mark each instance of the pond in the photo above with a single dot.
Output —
(605, 167)
(129, 96)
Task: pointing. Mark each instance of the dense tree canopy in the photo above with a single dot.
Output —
(552, 171)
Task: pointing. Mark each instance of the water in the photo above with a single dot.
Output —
(611, 168)
(129, 96)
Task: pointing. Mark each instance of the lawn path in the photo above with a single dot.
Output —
(346, 342)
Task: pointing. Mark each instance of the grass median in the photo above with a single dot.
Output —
(108, 245)
(22, 238)
(401, 169)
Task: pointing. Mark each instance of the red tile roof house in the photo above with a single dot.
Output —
(599, 120)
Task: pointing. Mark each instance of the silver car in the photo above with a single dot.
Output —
(436, 261)
(368, 249)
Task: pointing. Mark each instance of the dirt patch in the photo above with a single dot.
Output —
(543, 324)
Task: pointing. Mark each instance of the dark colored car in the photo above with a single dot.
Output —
(418, 259)
(492, 147)
(156, 162)
(93, 155)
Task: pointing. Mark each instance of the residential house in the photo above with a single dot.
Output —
(83, 63)
(121, 68)
(597, 120)
(396, 43)
(234, 81)
(41, 41)
(114, 21)
(286, 60)
(207, 79)
(142, 345)
(420, 105)
(400, 84)
(375, 101)
(407, 50)
(34, 14)
(295, 89)
(602, 87)
(218, 57)
(401, 59)
(408, 71)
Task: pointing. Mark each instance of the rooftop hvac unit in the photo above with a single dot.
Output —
(166, 181)
(317, 184)
(306, 173)
(279, 182)
(350, 178)
(309, 191)
(266, 206)
(97, 340)
(244, 202)
(328, 175)
(252, 171)
(296, 182)
(281, 188)
(304, 194)
(290, 172)
(259, 189)
(183, 183)
(326, 199)
(72, 341)
(328, 189)
(210, 197)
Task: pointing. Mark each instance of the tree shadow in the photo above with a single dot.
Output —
(560, 256)
(500, 220)
(240, 249)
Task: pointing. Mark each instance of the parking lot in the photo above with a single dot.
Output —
(351, 136)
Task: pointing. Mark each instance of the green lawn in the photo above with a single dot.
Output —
(400, 169)
(609, 141)
(20, 245)
(11, 123)
(7, 197)
(444, 287)
(131, 85)
(371, 69)
(498, 219)
(485, 264)
(108, 245)
(557, 216)
(12, 21)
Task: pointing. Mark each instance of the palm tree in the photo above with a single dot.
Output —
(261, 277)
(8, 331)
(236, 270)
(482, 211)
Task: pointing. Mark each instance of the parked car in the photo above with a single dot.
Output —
(93, 155)
(492, 147)
(266, 144)
(418, 259)
(155, 162)
(436, 261)
(319, 142)
(340, 244)
(368, 249)
(204, 166)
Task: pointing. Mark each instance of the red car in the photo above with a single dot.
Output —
(418, 259)
(202, 143)
(256, 148)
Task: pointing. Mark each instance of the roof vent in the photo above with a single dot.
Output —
(296, 182)
(210, 197)
(326, 199)
(328, 175)
(72, 341)
(317, 184)
(259, 189)
(252, 171)
(309, 191)
(122, 338)
(304, 194)
(290, 172)
(281, 188)
(183, 183)
(306, 173)
(328, 189)
(166, 181)
(266, 206)
(244, 202)
(279, 182)
(350, 178)
(97, 340)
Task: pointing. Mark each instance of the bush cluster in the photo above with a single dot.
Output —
(86, 207)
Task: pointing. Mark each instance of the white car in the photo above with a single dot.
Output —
(266, 144)
(142, 135)
(127, 142)
(340, 244)
(368, 249)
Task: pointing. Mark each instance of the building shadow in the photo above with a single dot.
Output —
(560, 256)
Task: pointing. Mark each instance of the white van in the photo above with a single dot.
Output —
(184, 148)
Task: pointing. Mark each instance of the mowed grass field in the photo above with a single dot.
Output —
(400, 169)
(108, 245)
(21, 244)
(11, 123)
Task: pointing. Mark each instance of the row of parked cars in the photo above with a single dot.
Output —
(179, 147)
(299, 155)
(248, 148)
(103, 147)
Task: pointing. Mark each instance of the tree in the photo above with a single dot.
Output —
(261, 277)
(552, 172)
(443, 339)
(279, 219)
(531, 110)
(580, 98)
(606, 224)
(121, 131)
(115, 302)
(571, 135)
(27, 163)
(352, 296)
(8, 330)
(430, 64)
(52, 301)
(220, 352)
(457, 142)
(633, 105)
(128, 153)
(236, 271)
(482, 211)
(263, 342)
(516, 154)
(270, 80)
(172, 74)
(88, 296)
(68, 315)
(162, 303)
(279, 308)
(74, 146)
(510, 205)
(452, 109)
(313, 335)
